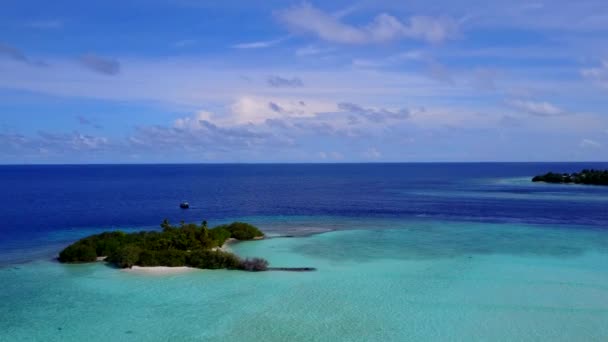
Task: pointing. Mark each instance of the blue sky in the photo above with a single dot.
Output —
(156, 81)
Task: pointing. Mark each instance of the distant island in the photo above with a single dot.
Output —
(189, 245)
(594, 177)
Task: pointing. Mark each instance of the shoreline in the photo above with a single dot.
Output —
(160, 270)
(167, 270)
(231, 241)
(226, 245)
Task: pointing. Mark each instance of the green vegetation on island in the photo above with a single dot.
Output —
(595, 177)
(188, 244)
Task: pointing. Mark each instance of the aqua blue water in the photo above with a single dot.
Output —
(402, 251)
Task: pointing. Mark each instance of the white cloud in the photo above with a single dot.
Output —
(525, 14)
(251, 109)
(295, 117)
(598, 75)
(431, 29)
(307, 19)
(75, 141)
(282, 82)
(330, 155)
(311, 50)
(256, 109)
(193, 122)
(409, 55)
(196, 83)
(372, 153)
(393, 60)
(44, 24)
(259, 44)
(374, 115)
(541, 108)
(196, 135)
(588, 143)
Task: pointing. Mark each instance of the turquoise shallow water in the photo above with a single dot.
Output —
(392, 281)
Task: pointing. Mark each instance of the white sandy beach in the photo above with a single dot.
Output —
(226, 246)
(160, 270)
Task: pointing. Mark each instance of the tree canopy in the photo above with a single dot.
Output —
(595, 177)
(188, 244)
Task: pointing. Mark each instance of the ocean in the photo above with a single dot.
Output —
(403, 251)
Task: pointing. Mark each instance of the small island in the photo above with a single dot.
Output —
(593, 177)
(189, 245)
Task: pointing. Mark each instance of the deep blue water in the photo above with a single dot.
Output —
(38, 201)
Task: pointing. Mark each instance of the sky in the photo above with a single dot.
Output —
(186, 81)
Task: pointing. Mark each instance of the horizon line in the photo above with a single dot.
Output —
(304, 163)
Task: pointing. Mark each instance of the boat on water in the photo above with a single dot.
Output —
(184, 205)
